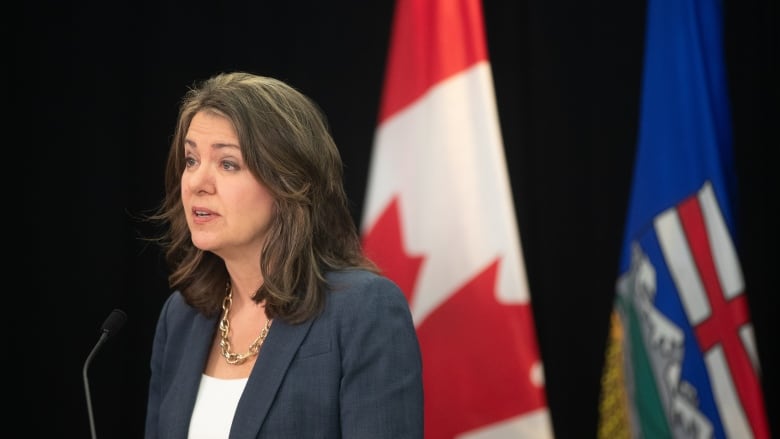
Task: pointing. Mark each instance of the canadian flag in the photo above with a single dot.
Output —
(439, 220)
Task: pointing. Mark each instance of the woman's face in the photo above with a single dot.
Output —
(228, 210)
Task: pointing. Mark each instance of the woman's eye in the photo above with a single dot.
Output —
(229, 166)
(189, 162)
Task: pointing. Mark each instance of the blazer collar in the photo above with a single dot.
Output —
(274, 359)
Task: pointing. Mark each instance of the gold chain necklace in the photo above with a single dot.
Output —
(224, 329)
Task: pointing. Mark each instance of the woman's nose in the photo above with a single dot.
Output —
(201, 179)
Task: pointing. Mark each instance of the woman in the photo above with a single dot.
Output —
(278, 325)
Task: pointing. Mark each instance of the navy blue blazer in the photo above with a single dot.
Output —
(355, 371)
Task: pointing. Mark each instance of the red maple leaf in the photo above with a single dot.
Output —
(384, 245)
(478, 354)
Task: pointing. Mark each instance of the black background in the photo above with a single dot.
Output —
(94, 90)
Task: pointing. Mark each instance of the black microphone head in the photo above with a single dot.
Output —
(114, 321)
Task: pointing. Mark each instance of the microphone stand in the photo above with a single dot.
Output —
(111, 325)
(101, 340)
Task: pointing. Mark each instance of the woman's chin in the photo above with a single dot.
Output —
(204, 244)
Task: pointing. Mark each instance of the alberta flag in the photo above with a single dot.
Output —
(681, 359)
(439, 220)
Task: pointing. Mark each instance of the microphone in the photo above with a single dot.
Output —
(111, 326)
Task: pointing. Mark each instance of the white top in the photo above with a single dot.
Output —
(215, 406)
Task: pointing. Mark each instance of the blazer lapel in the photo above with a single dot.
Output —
(184, 389)
(275, 357)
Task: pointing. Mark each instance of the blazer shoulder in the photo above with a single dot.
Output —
(361, 281)
(362, 292)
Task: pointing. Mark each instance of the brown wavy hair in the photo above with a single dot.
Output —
(286, 143)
